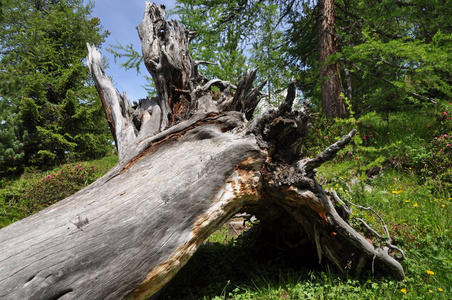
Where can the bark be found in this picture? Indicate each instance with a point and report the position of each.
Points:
(332, 103)
(348, 82)
(177, 181)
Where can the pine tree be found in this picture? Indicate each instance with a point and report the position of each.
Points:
(393, 54)
(54, 109)
(11, 148)
(219, 40)
(238, 35)
(398, 52)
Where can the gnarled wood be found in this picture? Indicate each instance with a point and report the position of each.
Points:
(166, 56)
(108, 240)
(184, 170)
(116, 106)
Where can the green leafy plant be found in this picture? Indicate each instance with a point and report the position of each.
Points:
(35, 190)
(59, 185)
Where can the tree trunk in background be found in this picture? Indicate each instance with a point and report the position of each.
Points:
(332, 102)
(188, 161)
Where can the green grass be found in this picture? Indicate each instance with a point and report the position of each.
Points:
(419, 222)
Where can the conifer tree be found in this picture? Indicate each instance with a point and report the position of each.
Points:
(52, 107)
(235, 36)
(388, 54)
(393, 54)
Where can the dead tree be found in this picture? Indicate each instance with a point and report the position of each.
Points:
(189, 160)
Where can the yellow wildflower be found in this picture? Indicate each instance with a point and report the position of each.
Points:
(430, 291)
(407, 200)
(443, 205)
(430, 272)
(403, 291)
(440, 289)
(415, 205)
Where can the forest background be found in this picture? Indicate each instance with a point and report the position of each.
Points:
(393, 63)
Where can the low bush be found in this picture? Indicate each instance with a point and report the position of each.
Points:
(35, 190)
(58, 185)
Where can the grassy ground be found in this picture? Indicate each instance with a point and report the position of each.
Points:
(400, 165)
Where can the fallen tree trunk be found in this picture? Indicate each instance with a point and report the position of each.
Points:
(188, 161)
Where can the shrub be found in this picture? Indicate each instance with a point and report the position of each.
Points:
(324, 131)
(437, 161)
(59, 185)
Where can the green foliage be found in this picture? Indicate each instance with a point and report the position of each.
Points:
(134, 60)
(228, 44)
(417, 221)
(11, 148)
(54, 112)
(59, 185)
(398, 55)
(325, 131)
(236, 37)
(439, 164)
(401, 71)
(217, 40)
(301, 52)
(393, 62)
(36, 190)
(414, 140)
(267, 52)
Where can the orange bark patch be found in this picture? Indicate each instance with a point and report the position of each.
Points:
(242, 187)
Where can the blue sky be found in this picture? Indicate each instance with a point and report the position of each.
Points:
(121, 17)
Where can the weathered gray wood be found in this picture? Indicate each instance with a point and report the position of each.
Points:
(165, 46)
(185, 168)
(127, 229)
(116, 106)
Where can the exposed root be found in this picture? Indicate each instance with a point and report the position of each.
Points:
(387, 239)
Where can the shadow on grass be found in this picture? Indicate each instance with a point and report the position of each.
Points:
(217, 269)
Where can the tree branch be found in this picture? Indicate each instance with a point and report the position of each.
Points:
(116, 106)
(414, 94)
(286, 106)
(307, 165)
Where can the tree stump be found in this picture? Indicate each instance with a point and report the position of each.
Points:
(189, 160)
